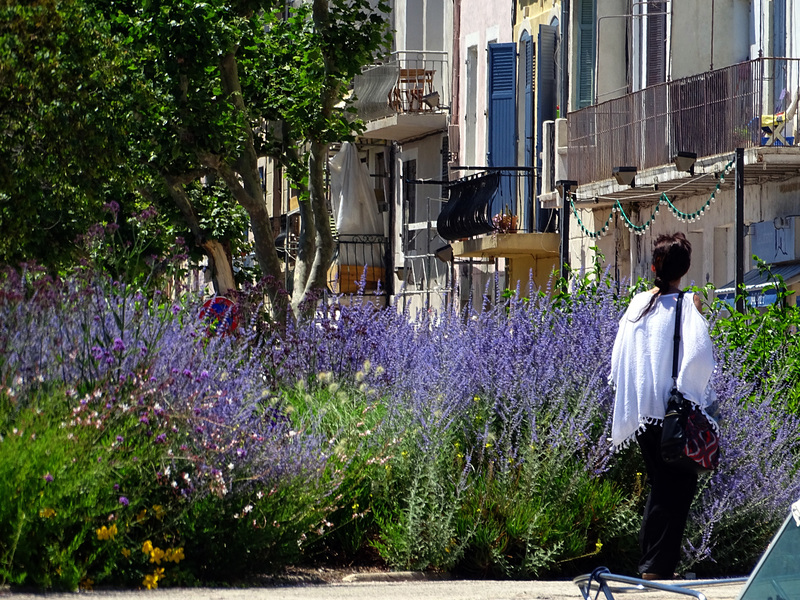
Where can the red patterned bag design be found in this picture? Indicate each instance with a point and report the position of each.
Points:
(688, 440)
(702, 442)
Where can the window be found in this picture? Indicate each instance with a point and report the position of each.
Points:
(586, 52)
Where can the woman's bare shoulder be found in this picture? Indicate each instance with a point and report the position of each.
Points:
(697, 302)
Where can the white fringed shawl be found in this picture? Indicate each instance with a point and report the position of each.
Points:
(641, 363)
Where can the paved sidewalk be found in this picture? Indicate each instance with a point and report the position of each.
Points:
(392, 586)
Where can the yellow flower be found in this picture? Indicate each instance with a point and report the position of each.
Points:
(159, 510)
(156, 555)
(126, 553)
(151, 581)
(147, 547)
(107, 533)
(174, 555)
(141, 516)
(86, 584)
(46, 513)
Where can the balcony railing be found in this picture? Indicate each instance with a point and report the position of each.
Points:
(410, 82)
(359, 265)
(710, 113)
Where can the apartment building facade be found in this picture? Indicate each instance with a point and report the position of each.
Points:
(682, 117)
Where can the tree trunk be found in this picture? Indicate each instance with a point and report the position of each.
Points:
(222, 273)
(244, 182)
(314, 266)
(313, 277)
(218, 257)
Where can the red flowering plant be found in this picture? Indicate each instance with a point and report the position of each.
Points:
(504, 221)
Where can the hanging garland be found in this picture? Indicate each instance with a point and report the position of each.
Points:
(663, 199)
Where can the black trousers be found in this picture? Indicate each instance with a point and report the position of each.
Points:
(667, 508)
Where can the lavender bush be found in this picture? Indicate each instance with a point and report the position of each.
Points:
(472, 441)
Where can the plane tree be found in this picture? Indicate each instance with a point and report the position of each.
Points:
(168, 99)
(228, 81)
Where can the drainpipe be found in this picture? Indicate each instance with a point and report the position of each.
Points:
(565, 185)
(739, 227)
(564, 58)
(390, 246)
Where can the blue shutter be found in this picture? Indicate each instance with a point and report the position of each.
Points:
(546, 75)
(503, 120)
(526, 55)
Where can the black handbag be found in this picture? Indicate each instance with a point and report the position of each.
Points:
(688, 440)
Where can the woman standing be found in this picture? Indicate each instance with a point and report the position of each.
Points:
(641, 370)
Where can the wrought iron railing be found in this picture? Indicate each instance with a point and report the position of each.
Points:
(710, 113)
(409, 82)
(498, 200)
(359, 265)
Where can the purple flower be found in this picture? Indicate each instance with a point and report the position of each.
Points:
(97, 352)
(124, 501)
(48, 478)
(161, 438)
(112, 207)
(116, 487)
(119, 345)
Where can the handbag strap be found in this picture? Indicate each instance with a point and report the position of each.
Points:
(677, 339)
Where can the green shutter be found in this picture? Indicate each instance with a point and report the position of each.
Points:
(586, 52)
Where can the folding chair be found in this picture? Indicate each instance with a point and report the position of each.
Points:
(775, 125)
(776, 576)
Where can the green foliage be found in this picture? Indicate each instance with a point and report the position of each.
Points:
(577, 285)
(419, 530)
(137, 102)
(348, 414)
(65, 129)
(65, 479)
(763, 340)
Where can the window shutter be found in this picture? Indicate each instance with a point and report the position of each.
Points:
(503, 118)
(527, 58)
(779, 51)
(586, 52)
(656, 43)
(546, 79)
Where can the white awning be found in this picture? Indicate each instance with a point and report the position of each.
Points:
(760, 285)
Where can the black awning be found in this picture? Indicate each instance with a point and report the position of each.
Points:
(469, 210)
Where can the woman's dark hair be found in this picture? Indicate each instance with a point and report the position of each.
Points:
(672, 257)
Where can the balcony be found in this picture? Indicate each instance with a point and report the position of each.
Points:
(406, 97)
(359, 265)
(710, 114)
